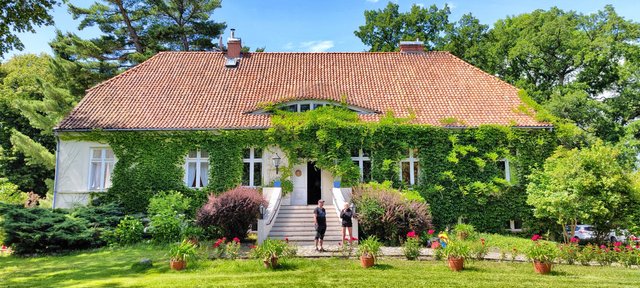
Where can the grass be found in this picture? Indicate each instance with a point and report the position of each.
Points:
(112, 268)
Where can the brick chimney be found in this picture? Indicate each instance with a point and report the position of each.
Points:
(412, 46)
(234, 45)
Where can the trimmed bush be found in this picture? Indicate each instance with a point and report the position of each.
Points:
(385, 213)
(232, 211)
(167, 211)
(38, 230)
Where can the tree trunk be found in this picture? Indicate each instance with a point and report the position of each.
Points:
(132, 32)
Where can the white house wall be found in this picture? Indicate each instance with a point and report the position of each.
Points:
(72, 179)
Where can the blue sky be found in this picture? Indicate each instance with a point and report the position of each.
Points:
(326, 25)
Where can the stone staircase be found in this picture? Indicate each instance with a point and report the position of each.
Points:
(296, 223)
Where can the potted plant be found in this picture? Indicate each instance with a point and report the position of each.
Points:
(542, 254)
(271, 250)
(456, 252)
(463, 231)
(368, 250)
(179, 253)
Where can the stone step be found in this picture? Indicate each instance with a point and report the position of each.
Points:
(302, 233)
(306, 238)
(303, 207)
(303, 224)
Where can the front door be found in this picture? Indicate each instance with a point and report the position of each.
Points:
(314, 183)
(299, 179)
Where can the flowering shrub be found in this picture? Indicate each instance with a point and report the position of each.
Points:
(604, 255)
(587, 254)
(233, 248)
(541, 251)
(233, 211)
(569, 252)
(385, 213)
(479, 249)
(629, 256)
(411, 246)
(218, 248)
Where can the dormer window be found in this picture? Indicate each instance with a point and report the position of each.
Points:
(306, 105)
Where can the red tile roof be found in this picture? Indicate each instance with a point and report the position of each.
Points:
(194, 90)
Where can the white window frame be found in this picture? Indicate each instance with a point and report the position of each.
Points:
(103, 161)
(361, 159)
(412, 160)
(314, 104)
(252, 160)
(512, 226)
(507, 169)
(198, 160)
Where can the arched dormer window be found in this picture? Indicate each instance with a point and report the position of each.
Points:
(306, 105)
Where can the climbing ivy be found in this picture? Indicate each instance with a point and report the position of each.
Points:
(459, 168)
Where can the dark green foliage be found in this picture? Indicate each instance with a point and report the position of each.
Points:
(233, 211)
(21, 16)
(38, 230)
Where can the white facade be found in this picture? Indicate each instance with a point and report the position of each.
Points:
(73, 182)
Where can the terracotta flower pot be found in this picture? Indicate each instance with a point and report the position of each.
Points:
(271, 262)
(542, 267)
(456, 264)
(177, 265)
(367, 261)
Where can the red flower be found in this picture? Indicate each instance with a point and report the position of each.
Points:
(224, 239)
(535, 237)
(253, 247)
(431, 231)
(633, 238)
(574, 240)
(617, 244)
(236, 239)
(411, 234)
(482, 240)
(435, 245)
(617, 249)
(354, 239)
(629, 247)
(286, 239)
(216, 245)
(603, 247)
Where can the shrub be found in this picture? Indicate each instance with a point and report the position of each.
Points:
(456, 249)
(38, 230)
(167, 211)
(10, 194)
(586, 254)
(129, 231)
(569, 252)
(385, 213)
(233, 211)
(541, 251)
(370, 247)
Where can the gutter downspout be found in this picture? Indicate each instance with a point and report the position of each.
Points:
(55, 177)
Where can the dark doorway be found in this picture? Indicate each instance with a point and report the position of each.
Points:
(314, 180)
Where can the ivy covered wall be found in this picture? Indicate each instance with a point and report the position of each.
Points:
(459, 168)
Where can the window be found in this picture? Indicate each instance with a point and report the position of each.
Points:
(410, 168)
(252, 167)
(102, 161)
(503, 165)
(514, 225)
(307, 105)
(197, 169)
(362, 159)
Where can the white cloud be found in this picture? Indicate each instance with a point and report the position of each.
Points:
(317, 46)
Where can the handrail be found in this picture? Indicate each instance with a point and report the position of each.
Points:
(338, 201)
(273, 213)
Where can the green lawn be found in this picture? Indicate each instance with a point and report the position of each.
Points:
(111, 268)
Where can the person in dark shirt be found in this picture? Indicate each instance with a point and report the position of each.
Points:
(320, 221)
(346, 214)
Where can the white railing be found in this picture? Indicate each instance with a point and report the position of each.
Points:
(274, 196)
(338, 197)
